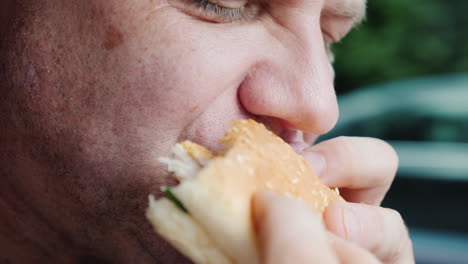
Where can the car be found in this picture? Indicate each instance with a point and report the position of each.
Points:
(426, 121)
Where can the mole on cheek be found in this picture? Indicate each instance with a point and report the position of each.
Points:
(113, 38)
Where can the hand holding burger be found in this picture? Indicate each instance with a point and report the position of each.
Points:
(219, 214)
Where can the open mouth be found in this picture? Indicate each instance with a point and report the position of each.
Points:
(295, 139)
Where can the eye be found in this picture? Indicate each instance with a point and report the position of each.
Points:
(221, 11)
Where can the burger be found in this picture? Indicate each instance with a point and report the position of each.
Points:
(208, 215)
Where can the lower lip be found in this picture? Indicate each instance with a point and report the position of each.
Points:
(299, 146)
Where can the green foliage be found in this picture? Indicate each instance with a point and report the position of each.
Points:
(403, 39)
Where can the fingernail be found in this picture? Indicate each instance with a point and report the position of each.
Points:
(350, 223)
(316, 161)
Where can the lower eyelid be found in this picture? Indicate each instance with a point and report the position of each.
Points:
(232, 4)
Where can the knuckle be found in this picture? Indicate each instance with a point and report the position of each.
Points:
(399, 236)
(363, 158)
(393, 158)
(388, 157)
(391, 155)
(396, 216)
(396, 221)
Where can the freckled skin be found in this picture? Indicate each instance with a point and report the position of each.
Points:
(92, 92)
(114, 38)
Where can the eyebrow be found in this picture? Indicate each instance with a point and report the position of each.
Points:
(355, 10)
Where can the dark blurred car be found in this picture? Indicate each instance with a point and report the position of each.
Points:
(426, 121)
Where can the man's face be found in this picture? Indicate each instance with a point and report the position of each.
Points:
(103, 88)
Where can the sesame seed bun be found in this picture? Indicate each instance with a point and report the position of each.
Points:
(217, 192)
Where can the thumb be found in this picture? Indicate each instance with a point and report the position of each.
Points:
(289, 232)
(380, 230)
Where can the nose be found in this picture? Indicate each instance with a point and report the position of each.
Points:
(294, 81)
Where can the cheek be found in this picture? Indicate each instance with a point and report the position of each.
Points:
(175, 71)
(125, 87)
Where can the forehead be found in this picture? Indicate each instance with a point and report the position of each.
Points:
(354, 10)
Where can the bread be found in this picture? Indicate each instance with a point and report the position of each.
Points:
(217, 192)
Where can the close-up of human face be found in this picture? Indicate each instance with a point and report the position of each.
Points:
(101, 89)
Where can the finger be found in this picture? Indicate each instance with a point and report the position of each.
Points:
(379, 230)
(289, 232)
(349, 253)
(363, 168)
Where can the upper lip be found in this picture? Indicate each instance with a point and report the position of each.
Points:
(290, 136)
(297, 139)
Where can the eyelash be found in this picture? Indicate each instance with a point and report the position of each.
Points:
(222, 14)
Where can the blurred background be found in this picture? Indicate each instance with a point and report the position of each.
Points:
(402, 76)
